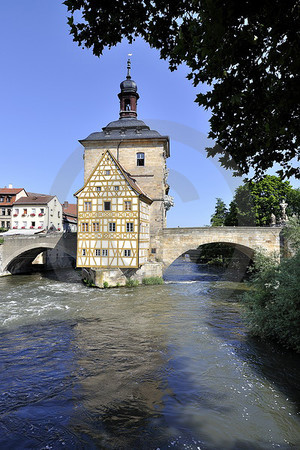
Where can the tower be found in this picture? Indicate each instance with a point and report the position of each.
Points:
(137, 156)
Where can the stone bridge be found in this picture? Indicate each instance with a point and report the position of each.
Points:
(173, 242)
(18, 251)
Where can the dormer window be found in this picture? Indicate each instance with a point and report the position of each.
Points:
(140, 159)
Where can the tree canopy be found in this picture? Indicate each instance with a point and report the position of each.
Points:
(247, 53)
(254, 202)
(219, 216)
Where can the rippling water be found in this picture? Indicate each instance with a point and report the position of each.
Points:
(153, 367)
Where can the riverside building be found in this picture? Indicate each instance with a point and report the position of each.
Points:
(123, 203)
(37, 212)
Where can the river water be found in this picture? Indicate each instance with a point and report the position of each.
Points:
(152, 367)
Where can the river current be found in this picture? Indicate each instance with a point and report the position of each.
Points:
(151, 367)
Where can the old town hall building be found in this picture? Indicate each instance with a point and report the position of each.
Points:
(124, 201)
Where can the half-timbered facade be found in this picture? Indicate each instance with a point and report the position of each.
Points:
(113, 218)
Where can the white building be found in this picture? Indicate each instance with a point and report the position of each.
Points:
(37, 212)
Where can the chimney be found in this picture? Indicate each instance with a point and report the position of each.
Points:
(10, 186)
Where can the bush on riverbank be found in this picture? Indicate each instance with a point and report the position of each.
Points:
(273, 303)
(131, 283)
(152, 280)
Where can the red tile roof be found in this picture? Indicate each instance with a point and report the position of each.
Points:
(70, 210)
(10, 191)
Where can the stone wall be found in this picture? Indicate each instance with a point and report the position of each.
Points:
(170, 243)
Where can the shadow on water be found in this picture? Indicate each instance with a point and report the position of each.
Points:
(268, 360)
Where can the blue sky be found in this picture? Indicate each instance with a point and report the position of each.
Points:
(54, 93)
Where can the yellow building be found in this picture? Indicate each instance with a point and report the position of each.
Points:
(113, 219)
(123, 204)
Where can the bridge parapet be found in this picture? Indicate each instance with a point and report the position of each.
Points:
(173, 242)
(16, 245)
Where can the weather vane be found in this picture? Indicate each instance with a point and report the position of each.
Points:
(128, 65)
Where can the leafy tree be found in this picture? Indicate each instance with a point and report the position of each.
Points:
(254, 202)
(247, 53)
(292, 233)
(293, 200)
(273, 302)
(231, 218)
(218, 218)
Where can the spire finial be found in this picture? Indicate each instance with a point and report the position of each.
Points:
(128, 66)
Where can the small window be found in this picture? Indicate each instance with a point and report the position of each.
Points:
(127, 206)
(25, 211)
(129, 227)
(112, 226)
(98, 188)
(96, 226)
(88, 206)
(84, 226)
(153, 250)
(83, 252)
(127, 104)
(1, 199)
(106, 206)
(104, 252)
(9, 212)
(127, 252)
(42, 210)
(97, 252)
(107, 172)
(140, 159)
(3, 211)
(116, 188)
(58, 214)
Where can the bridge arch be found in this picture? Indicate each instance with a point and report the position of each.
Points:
(174, 242)
(247, 251)
(20, 252)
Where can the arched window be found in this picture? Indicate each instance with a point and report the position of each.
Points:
(140, 159)
(127, 104)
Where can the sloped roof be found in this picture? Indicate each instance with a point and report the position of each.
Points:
(70, 210)
(125, 128)
(34, 200)
(10, 191)
(131, 181)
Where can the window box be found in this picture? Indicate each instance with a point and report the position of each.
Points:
(15, 215)
(32, 227)
(58, 229)
(23, 228)
(40, 228)
(41, 214)
(15, 228)
(24, 215)
(32, 215)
